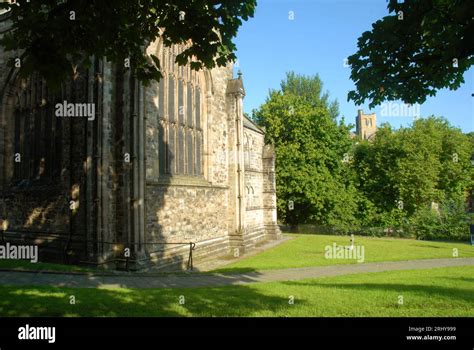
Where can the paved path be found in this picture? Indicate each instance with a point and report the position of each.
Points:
(212, 280)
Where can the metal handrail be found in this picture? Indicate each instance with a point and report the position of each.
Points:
(192, 245)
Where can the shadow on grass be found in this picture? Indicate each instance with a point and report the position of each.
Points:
(461, 294)
(23, 265)
(52, 301)
(428, 246)
(463, 279)
(235, 270)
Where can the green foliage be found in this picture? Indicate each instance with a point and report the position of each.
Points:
(412, 167)
(310, 89)
(310, 146)
(54, 44)
(385, 186)
(412, 57)
(449, 222)
(403, 172)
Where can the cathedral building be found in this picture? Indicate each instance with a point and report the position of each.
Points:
(132, 176)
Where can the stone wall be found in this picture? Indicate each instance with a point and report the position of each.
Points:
(253, 148)
(232, 204)
(38, 210)
(260, 215)
(181, 214)
(272, 230)
(182, 209)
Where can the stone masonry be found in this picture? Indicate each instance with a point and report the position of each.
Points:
(155, 169)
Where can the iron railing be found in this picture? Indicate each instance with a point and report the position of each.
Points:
(192, 245)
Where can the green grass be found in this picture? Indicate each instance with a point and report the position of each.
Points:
(40, 266)
(309, 250)
(431, 292)
(304, 250)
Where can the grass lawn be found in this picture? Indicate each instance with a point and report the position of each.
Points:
(27, 265)
(431, 292)
(304, 250)
(309, 250)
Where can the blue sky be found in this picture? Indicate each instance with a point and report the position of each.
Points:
(321, 35)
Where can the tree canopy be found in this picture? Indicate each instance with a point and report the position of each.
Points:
(427, 162)
(420, 48)
(405, 172)
(310, 146)
(411, 181)
(56, 36)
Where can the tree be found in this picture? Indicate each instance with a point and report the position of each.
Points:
(310, 148)
(310, 89)
(55, 36)
(423, 46)
(403, 172)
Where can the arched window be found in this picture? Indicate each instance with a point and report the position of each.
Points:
(180, 112)
(37, 132)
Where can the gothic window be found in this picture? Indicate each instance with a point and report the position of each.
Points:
(198, 136)
(198, 162)
(189, 130)
(181, 138)
(162, 127)
(37, 133)
(180, 111)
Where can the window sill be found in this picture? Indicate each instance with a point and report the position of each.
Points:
(181, 180)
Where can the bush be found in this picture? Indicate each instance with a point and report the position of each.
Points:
(425, 224)
(450, 222)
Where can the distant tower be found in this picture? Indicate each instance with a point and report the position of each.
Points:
(366, 125)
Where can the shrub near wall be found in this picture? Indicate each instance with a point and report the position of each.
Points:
(451, 222)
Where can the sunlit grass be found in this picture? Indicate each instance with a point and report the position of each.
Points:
(431, 292)
(309, 250)
(305, 250)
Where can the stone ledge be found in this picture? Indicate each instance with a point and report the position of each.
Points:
(183, 181)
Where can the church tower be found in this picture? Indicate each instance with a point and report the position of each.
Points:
(366, 125)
